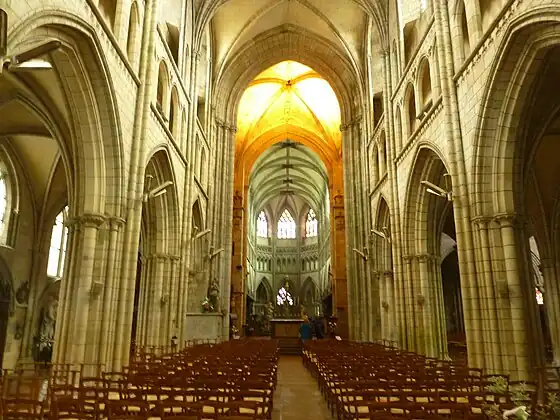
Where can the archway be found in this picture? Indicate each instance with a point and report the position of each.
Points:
(197, 285)
(516, 192)
(425, 222)
(451, 283)
(155, 297)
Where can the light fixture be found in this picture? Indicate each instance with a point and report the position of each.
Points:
(27, 60)
(383, 233)
(436, 190)
(203, 233)
(157, 191)
(363, 254)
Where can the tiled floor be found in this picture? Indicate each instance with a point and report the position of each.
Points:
(297, 395)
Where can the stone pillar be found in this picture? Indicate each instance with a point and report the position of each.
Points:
(109, 292)
(238, 260)
(410, 340)
(389, 307)
(340, 291)
(552, 306)
(73, 321)
(491, 335)
(518, 351)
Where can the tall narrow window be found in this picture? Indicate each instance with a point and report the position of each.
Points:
(262, 225)
(311, 224)
(423, 4)
(286, 226)
(57, 251)
(3, 201)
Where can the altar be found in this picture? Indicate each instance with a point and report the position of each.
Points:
(285, 328)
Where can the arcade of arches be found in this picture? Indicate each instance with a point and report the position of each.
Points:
(182, 164)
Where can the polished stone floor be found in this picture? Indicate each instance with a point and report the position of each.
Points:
(297, 395)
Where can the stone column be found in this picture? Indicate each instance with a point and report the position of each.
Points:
(426, 336)
(109, 291)
(518, 351)
(340, 289)
(81, 282)
(552, 306)
(409, 303)
(389, 307)
(491, 333)
(237, 277)
(173, 292)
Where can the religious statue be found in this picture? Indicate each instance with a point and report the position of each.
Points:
(214, 293)
(45, 336)
(285, 300)
(268, 316)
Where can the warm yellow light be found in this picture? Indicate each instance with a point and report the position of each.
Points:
(286, 95)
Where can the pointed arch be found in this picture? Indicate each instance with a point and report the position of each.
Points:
(93, 148)
(424, 84)
(262, 225)
(133, 38)
(286, 227)
(58, 245)
(174, 110)
(162, 91)
(410, 103)
(311, 224)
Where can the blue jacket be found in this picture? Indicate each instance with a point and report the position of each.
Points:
(306, 331)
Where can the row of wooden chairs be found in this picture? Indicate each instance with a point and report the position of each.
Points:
(207, 381)
(373, 381)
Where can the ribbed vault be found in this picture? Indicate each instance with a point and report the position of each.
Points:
(288, 168)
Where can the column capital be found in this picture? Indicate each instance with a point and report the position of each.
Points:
(220, 123)
(116, 222)
(481, 221)
(388, 273)
(426, 257)
(93, 220)
(506, 219)
(231, 128)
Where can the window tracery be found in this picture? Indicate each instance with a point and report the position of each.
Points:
(286, 226)
(262, 225)
(311, 224)
(57, 250)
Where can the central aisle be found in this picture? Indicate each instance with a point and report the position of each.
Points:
(297, 395)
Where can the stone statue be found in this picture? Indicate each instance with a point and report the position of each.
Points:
(285, 300)
(214, 293)
(47, 326)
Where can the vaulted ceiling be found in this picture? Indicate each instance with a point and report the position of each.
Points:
(343, 23)
(288, 99)
(288, 169)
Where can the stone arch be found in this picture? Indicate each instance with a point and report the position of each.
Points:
(383, 225)
(12, 185)
(161, 217)
(376, 11)
(499, 125)
(424, 83)
(291, 44)
(162, 90)
(174, 113)
(133, 38)
(399, 129)
(95, 136)
(420, 225)
(266, 291)
(411, 110)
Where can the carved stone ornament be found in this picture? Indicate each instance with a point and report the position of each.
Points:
(22, 293)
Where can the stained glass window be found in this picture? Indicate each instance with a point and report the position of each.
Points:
(284, 297)
(286, 226)
(57, 251)
(3, 200)
(311, 224)
(262, 225)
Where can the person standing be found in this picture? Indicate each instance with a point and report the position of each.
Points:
(305, 330)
